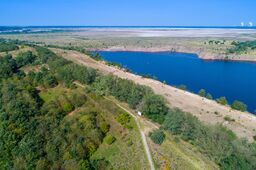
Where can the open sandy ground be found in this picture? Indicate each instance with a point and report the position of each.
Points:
(208, 111)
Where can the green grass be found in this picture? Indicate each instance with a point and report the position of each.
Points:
(49, 94)
(176, 154)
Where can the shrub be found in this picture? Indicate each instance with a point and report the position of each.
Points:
(154, 107)
(237, 105)
(8, 66)
(202, 93)
(209, 96)
(229, 119)
(157, 136)
(109, 139)
(104, 127)
(180, 123)
(25, 58)
(182, 87)
(124, 119)
(222, 100)
(67, 107)
(50, 81)
(78, 99)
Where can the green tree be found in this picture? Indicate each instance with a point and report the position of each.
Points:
(50, 81)
(154, 107)
(237, 105)
(209, 96)
(25, 58)
(157, 136)
(8, 66)
(222, 100)
(202, 93)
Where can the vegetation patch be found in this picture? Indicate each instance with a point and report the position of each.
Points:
(237, 105)
(124, 119)
(109, 139)
(241, 47)
(157, 136)
(222, 100)
(6, 46)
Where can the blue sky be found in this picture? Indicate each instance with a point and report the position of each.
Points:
(128, 12)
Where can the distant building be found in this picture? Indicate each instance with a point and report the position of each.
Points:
(139, 113)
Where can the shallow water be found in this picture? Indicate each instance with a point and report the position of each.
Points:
(234, 80)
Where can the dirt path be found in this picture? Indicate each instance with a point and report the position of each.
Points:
(142, 133)
(208, 111)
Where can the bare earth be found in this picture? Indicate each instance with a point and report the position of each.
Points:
(207, 111)
(190, 40)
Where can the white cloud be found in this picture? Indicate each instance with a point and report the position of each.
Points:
(250, 24)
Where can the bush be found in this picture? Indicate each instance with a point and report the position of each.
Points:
(209, 96)
(182, 87)
(154, 107)
(25, 58)
(222, 100)
(123, 118)
(180, 123)
(157, 136)
(237, 105)
(229, 119)
(104, 127)
(8, 66)
(109, 139)
(50, 81)
(202, 93)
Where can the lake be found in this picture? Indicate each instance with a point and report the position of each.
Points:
(234, 80)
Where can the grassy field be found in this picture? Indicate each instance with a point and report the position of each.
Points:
(177, 154)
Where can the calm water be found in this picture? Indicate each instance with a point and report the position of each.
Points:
(234, 80)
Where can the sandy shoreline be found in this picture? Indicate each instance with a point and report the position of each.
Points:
(208, 111)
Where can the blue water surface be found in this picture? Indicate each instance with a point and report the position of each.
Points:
(234, 80)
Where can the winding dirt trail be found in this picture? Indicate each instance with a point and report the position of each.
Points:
(142, 133)
(207, 111)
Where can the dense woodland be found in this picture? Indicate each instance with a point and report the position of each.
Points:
(35, 134)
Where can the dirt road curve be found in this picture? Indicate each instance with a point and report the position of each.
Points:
(142, 133)
(205, 110)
